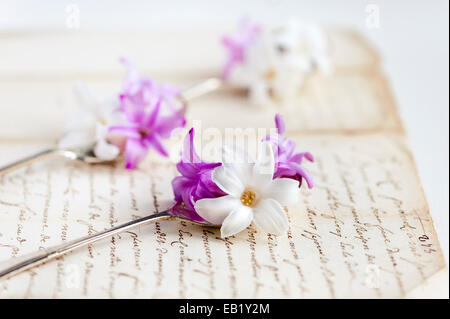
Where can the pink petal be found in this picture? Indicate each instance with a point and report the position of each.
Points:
(150, 118)
(155, 142)
(135, 152)
(298, 158)
(133, 74)
(227, 41)
(133, 110)
(167, 124)
(179, 184)
(227, 70)
(126, 131)
(168, 90)
(189, 155)
(304, 173)
(238, 43)
(186, 195)
(280, 124)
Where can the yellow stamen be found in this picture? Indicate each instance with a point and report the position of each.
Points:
(247, 197)
(270, 74)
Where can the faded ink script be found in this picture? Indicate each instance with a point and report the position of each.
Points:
(364, 230)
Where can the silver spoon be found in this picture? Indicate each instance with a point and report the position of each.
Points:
(19, 264)
(86, 154)
(82, 154)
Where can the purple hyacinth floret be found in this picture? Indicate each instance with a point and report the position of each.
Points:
(144, 91)
(195, 181)
(238, 43)
(146, 125)
(145, 128)
(288, 163)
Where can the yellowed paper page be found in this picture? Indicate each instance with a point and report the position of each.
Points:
(341, 103)
(363, 231)
(87, 53)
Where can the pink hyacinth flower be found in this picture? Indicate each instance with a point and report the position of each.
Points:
(288, 163)
(145, 91)
(195, 182)
(238, 43)
(145, 129)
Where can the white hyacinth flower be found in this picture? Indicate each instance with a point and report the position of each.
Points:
(280, 59)
(253, 195)
(89, 127)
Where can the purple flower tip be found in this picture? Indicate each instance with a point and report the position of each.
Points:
(142, 102)
(238, 43)
(280, 124)
(288, 163)
(195, 182)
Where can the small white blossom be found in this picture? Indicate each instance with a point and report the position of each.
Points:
(253, 195)
(89, 127)
(280, 59)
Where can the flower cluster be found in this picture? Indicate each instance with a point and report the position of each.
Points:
(240, 191)
(273, 62)
(238, 44)
(195, 181)
(89, 127)
(137, 120)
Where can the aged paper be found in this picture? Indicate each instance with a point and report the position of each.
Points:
(363, 231)
(42, 82)
(69, 53)
(341, 103)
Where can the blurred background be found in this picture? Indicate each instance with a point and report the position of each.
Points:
(411, 36)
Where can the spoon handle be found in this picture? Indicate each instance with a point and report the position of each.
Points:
(16, 265)
(201, 88)
(28, 160)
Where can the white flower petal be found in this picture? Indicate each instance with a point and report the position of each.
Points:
(109, 104)
(238, 220)
(264, 166)
(76, 139)
(227, 179)
(108, 112)
(324, 64)
(105, 151)
(270, 217)
(259, 93)
(101, 131)
(84, 121)
(215, 210)
(86, 100)
(234, 154)
(116, 118)
(283, 190)
(240, 159)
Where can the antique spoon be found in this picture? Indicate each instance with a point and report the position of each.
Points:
(86, 154)
(16, 265)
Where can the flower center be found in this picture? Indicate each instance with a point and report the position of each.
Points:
(103, 121)
(270, 74)
(143, 133)
(248, 197)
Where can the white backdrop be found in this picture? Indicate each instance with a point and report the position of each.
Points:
(412, 37)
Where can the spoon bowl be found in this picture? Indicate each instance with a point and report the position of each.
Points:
(85, 155)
